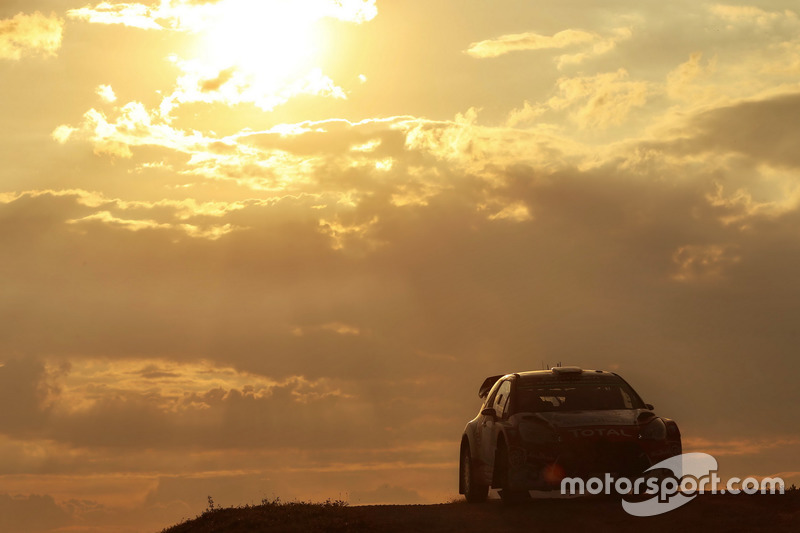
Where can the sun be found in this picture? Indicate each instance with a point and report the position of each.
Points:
(260, 52)
(270, 42)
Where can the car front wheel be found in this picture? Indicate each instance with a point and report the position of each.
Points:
(503, 478)
(474, 491)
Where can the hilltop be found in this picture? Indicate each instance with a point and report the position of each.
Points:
(720, 513)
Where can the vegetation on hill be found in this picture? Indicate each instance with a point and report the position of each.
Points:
(729, 513)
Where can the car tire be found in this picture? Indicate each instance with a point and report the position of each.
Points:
(474, 491)
(502, 467)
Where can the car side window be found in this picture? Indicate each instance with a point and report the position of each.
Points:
(501, 399)
(491, 397)
(626, 399)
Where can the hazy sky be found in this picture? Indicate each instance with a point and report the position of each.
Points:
(255, 248)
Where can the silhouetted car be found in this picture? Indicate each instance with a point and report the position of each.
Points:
(535, 428)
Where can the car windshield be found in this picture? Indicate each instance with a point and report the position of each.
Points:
(574, 396)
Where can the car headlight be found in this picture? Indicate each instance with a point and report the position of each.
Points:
(653, 430)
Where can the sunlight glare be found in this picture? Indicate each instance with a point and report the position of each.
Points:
(269, 42)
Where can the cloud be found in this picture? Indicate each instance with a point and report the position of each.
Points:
(518, 212)
(286, 158)
(564, 39)
(214, 84)
(25, 35)
(681, 82)
(146, 403)
(25, 385)
(527, 113)
(761, 129)
(106, 93)
(62, 133)
(32, 513)
(107, 218)
(600, 47)
(134, 126)
(134, 15)
(232, 86)
(704, 262)
(601, 100)
(335, 251)
(528, 41)
(183, 15)
(160, 403)
(352, 10)
(754, 16)
(178, 218)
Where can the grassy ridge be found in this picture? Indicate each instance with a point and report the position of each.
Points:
(725, 513)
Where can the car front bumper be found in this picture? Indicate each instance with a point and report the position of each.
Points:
(538, 467)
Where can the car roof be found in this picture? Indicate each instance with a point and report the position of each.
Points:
(555, 374)
(577, 374)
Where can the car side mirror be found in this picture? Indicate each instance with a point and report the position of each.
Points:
(489, 411)
(649, 406)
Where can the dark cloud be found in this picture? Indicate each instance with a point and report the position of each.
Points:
(23, 390)
(765, 130)
(220, 419)
(32, 513)
(612, 269)
(222, 78)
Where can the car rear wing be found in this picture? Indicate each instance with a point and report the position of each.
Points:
(487, 385)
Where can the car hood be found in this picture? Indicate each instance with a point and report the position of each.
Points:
(615, 417)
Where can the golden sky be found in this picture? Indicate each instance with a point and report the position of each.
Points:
(258, 248)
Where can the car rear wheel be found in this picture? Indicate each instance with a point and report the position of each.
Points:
(474, 491)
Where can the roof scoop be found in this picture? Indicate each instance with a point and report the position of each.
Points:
(566, 370)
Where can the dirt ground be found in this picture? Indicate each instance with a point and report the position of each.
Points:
(717, 513)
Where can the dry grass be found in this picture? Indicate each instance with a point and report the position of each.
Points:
(718, 513)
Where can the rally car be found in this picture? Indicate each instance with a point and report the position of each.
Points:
(536, 428)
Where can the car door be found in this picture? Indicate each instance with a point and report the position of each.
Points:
(490, 425)
(479, 427)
